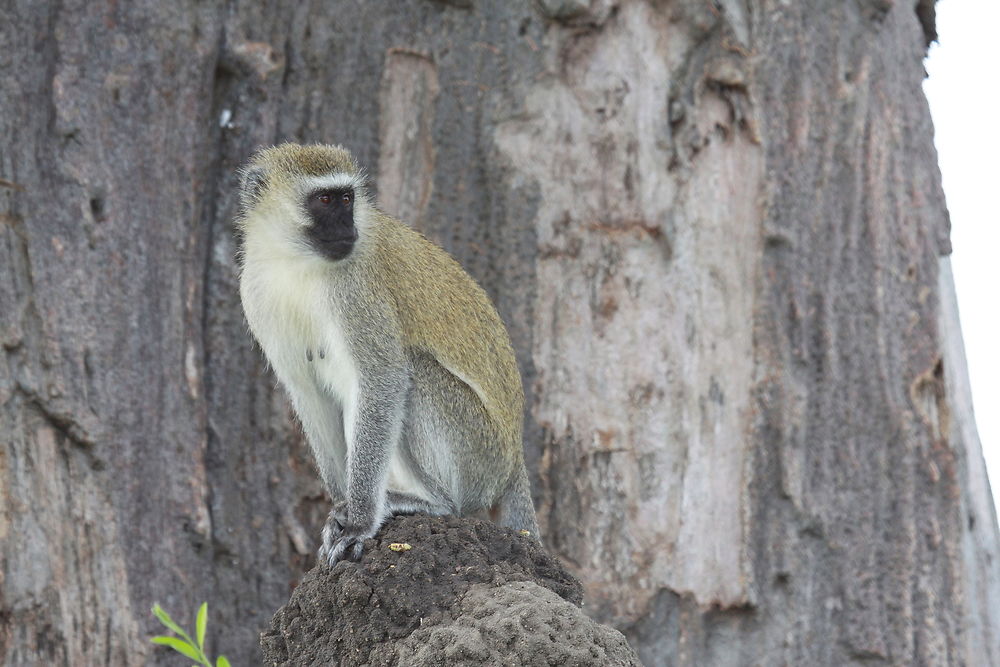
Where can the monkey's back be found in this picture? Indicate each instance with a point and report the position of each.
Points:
(445, 313)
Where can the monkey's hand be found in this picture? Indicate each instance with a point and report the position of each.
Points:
(341, 539)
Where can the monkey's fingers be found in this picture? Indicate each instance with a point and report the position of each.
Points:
(346, 548)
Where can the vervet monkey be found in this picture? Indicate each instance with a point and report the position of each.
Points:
(396, 362)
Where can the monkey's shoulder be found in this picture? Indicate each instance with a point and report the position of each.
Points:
(433, 295)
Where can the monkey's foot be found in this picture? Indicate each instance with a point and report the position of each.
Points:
(341, 540)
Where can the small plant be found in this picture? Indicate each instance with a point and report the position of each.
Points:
(184, 644)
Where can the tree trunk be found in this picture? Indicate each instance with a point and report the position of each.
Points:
(715, 230)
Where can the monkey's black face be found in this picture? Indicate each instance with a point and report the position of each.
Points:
(332, 231)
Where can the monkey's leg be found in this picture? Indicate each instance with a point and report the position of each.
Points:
(404, 503)
(323, 422)
(516, 509)
(450, 441)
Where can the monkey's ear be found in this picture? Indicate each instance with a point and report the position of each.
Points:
(253, 180)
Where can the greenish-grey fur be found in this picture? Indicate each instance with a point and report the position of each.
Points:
(309, 160)
(436, 363)
(443, 311)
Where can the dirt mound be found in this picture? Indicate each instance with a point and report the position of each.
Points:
(467, 591)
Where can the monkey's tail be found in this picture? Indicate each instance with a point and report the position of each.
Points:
(516, 509)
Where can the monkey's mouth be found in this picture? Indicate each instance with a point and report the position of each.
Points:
(338, 241)
(334, 247)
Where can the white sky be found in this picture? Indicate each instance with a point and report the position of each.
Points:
(963, 89)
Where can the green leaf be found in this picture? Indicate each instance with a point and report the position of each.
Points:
(166, 620)
(200, 623)
(178, 645)
(222, 661)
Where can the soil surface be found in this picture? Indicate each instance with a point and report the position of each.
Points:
(466, 592)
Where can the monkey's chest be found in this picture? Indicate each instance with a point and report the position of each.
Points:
(298, 327)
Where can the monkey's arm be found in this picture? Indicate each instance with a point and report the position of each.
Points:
(375, 424)
(373, 421)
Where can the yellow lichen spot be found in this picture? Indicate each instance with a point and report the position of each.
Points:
(526, 533)
(400, 546)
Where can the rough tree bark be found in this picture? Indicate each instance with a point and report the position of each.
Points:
(715, 229)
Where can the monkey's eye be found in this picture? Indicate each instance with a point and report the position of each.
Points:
(346, 197)
(325, 198)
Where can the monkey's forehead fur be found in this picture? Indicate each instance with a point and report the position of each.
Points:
(309, 160)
